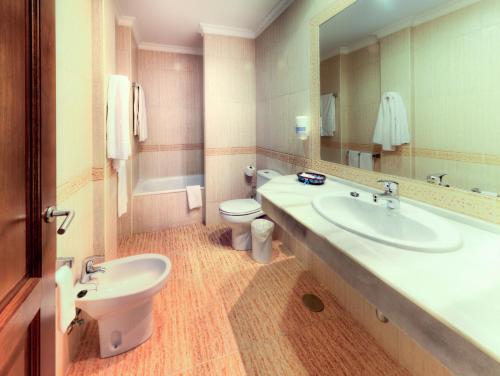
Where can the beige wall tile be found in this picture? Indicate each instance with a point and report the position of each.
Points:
(157, 212)
(230, 118)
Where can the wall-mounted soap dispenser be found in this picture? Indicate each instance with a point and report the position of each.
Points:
(302, 127)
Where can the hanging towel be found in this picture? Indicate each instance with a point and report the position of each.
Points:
(194, 196)
(366, 161)
(353, 158)
(65, 298)
(135, 110)
(392, 127)
(327, 115)
(118, 134)
(140, 114)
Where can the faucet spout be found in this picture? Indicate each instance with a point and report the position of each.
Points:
(88, 268)
(390, 194)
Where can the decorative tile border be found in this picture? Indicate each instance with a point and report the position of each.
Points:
(468, 203)
(72, 186)
(230, 151)
(174, 147)
(408, 151)
(97, 174)
(479, 158)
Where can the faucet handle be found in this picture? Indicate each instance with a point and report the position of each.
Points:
(390, 186)
(88, 262)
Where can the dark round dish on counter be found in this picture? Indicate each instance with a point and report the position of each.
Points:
(311, 178)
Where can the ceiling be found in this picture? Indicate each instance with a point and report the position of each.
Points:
(367, 19)
(177, 22)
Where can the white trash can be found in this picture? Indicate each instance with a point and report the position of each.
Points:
(262, 241)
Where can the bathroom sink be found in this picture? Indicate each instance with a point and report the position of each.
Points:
(408, 227)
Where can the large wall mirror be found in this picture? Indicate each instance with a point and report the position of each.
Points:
(412, 88)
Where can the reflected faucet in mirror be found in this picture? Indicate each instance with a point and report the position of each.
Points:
(436, 179)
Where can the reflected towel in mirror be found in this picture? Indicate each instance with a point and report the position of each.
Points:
(328, 115)
(392, 127)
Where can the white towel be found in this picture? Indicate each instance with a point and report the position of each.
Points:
(118, 133)
(135, 110)
(327, 115)
(65, 298)
(140, 114)
(392, 127)
(194, 196)
(120, 166)
(353, 158)
(366, 161)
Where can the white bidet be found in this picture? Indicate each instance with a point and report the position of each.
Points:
(121, 300)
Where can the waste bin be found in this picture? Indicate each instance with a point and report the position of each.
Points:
(262, 240)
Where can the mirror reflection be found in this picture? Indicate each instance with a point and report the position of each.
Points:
(412, 88)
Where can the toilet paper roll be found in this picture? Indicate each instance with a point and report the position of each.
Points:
(65, 296)
(250, 171)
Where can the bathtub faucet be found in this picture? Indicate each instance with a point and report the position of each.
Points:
(88, 268)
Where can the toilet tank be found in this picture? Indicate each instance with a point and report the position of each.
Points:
(263, 176)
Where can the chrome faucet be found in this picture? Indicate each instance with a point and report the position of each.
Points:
(88, 268)
(390, 194)
(436, 179)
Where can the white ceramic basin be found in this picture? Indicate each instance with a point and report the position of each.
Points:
(121, 299)
(408, 227)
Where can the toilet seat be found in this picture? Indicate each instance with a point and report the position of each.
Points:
(242, 207)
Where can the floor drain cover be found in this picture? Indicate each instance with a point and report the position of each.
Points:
(313, 303)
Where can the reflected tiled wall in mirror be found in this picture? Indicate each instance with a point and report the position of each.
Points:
(440, 58)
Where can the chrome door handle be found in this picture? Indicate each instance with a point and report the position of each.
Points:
(51, 213)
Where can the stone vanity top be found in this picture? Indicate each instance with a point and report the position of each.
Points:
(461, 289)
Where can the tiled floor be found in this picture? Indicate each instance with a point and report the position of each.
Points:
(222, 314)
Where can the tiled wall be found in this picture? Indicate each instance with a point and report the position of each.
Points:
(85, 50)
(330, 84)
(74, 142)
(360, 76)
(173, 85)
(126, 64)
(285, 47)
(105, 178)
(457, 91)
(229, 86)
(396, 74)
(156, 212)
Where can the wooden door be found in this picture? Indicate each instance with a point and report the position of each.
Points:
(27, 186)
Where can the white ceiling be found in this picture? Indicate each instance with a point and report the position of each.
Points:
(367, 19)
(177, 22)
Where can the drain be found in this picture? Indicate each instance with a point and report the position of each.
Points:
(313, 303)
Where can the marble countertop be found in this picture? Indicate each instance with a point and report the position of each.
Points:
(461, 288)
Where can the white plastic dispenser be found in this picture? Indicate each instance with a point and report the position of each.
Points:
(302, 127)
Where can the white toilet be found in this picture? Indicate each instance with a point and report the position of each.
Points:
(239, 214)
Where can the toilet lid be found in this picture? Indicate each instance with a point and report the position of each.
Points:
(240, 207)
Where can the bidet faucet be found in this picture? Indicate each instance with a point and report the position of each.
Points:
(88, 268)
(390, 194)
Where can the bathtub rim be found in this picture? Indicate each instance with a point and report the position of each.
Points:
(162, 192)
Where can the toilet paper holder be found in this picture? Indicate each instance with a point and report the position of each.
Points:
(61, 261)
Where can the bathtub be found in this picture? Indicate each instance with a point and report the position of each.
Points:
(167, 185)
(161, 203)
